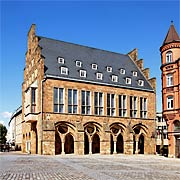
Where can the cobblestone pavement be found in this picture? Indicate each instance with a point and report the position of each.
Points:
(14, 166)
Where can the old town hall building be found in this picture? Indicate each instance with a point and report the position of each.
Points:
(170, 68)
(83, 100)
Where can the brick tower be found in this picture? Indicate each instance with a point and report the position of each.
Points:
(170, 68)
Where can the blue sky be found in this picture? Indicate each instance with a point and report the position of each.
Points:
(118, 26)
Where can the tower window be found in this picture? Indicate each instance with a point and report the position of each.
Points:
(169, 80)
(169, 57)
(169, 102)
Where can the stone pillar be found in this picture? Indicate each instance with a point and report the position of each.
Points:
(115, 151)
(62, 145)
(136, 150)
(90, 147)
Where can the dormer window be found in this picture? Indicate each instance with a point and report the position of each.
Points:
(82, 73)
(114, 78)
(78, 63)
(109, 69)
(122, 71)
(60, 60)
(169, 57)
(94, 66)
(140, 82)
(134, 73)
(128, 80)
(99, 76)
(64, 70)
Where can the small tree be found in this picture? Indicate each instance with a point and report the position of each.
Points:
(3, 132)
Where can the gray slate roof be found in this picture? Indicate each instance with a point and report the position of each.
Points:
(51, 49)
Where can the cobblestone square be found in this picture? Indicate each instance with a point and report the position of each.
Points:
(16, 166)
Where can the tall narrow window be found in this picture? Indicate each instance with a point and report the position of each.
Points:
(169, 80)
(133, 106)
(143, 107)
(169, 57)
(169, 102)
(58, 100)
(72, 101)
(85, 102)
(110, 104)
(33, 100)
(122, 106)
(98, 103)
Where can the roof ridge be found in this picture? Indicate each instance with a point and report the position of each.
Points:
(83, 46)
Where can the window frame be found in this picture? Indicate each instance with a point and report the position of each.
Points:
(114, 78)
(83, 73)
(122, 71)
(169, 80)
(99, 76)
(60, 100)
(74, 104)
(85, 106)
(64, 70)
(94, 66)
(60, 60)
(170, 102)
(128, 80)
(99, 106)
(140, 82)
(109, 69)
(111, 100)
(78, 63)
(122, 105)
(169, 57)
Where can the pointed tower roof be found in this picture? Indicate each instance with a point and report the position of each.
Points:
(172, 35)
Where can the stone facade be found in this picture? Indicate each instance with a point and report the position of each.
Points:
(48, 132)
(170, 59)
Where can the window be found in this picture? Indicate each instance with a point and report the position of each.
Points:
(134, 73)
(58, 100)
(82, 73)
(122, 71)
(169, 80)
(128, 80)
(64, 70)
(33, 100)
(72, 101)
(140, 82)
(169, 102)
(98, 103)
(169, 57)
(143, 107)
(99, 76)
(114, 78)
(122, 106)
(85, 102)
(109, 69)
(94, 66)
(133, 106)
(78, 63)
(110, 104)
(60, 60)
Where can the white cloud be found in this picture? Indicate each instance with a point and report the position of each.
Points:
(1, 122)
(6, 114)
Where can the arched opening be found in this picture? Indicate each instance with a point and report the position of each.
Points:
(58, 147)
(96, 144)
(69, 144)
(86, 144)
(120, 144)
(177, 138)
(112, 144)
(141, 144)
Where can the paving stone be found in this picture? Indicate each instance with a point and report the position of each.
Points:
(15, 166)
